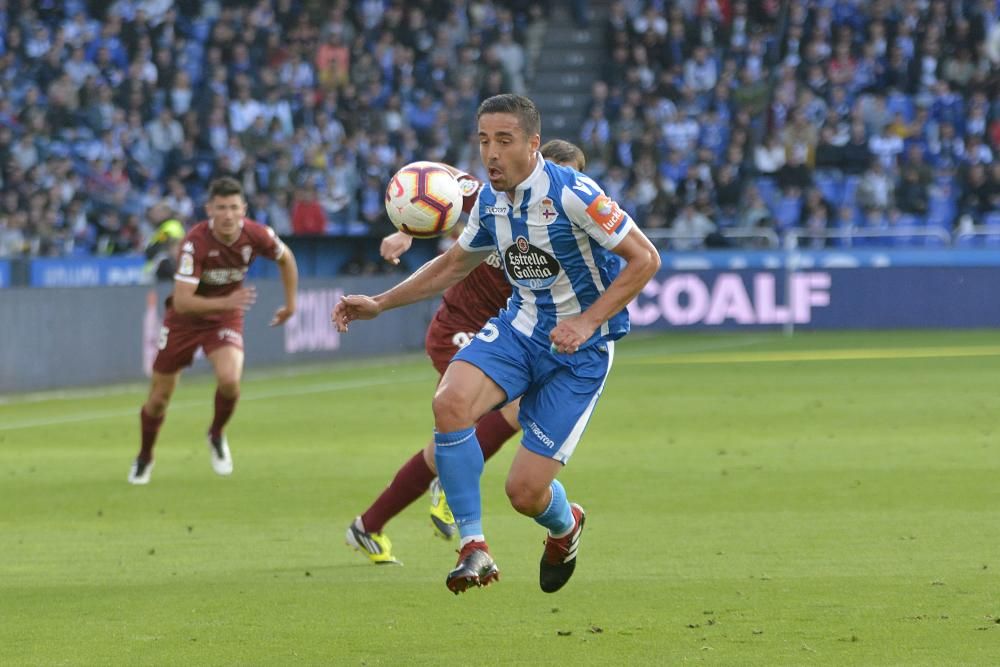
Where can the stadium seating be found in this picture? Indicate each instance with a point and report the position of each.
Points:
(390, 95)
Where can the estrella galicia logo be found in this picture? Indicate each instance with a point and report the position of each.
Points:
(530, 266)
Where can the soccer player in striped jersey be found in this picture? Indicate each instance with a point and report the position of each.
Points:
(560, 239)
(465, 308)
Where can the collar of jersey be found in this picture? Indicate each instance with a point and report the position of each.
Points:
(211, 228)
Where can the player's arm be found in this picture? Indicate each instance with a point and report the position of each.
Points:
(598, 215)
(186, 302)
(429, 280)
(289, 271)
(643, 263)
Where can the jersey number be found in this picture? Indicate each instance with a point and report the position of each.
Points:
(161, 342)
(489, 333)
(461, 339)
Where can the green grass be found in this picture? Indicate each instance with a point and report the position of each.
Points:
(829, 499)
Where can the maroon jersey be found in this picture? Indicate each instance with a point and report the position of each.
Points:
(484, 292)
(218, 269)
(479, 296)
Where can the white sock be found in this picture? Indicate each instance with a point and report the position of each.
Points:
(563, 534)
(471, 538)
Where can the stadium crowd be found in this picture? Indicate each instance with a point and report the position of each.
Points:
(709, 116)
(815, 116)
(109, 109)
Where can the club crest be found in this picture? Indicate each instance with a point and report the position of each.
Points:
(548, 211)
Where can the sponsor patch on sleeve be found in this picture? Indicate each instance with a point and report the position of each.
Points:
(468, 185)
(186, 266)
(605, 212)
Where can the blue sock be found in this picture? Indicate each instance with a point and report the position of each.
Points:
(558, 516)
(460, 464)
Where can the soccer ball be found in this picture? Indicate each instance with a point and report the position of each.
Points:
(423, 199)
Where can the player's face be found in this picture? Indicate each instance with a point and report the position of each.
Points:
(508, 153)
(226, 214)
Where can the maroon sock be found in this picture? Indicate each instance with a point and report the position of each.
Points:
(410, 483)
(492, 431)
(223, 411)
(150, 427)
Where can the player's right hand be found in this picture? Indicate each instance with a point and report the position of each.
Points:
(242, 298)
(394, 245)
(353, 307)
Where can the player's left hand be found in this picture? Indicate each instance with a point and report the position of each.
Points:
(353, 307)
(570, 334)
(281, 315)
(394, 245)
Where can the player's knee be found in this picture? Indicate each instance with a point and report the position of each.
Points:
(523, 497)
(156, 404)
(229, 386)
(451, 411)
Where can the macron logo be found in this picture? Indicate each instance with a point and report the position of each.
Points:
(540, 434)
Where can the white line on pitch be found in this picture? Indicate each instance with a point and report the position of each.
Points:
(183, 405)
(278, 372)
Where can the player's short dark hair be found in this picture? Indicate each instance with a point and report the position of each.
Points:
(560, 150)
(224, 187)
(525, 110)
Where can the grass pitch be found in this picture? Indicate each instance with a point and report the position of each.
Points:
(827, 499)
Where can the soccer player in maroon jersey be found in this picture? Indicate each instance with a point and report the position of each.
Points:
(464, 309)
(206, 310)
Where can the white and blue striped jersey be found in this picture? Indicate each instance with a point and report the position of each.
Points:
(555, 239)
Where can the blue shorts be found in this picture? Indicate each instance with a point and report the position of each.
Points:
(558, 391)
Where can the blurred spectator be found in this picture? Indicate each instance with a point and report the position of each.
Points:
(178, 201)
(816, 217)
(336, 201)
(278, 213)
(769, 157)
(911, 193)
(876, 189)
(701, 72)
(754, 213)
(856, 156)
(976, 198)
(512, 58)
(885, 146)
(307, 213)
(690, 228)
(728, 191)
(829, 155)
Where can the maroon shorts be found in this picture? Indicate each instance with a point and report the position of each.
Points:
(444, 340)
(178, 342)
